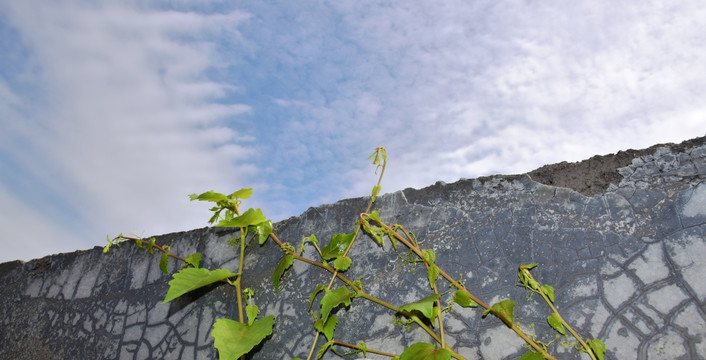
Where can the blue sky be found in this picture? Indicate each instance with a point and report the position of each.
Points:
(112, 112)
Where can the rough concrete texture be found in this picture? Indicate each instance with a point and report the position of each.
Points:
(620, 237)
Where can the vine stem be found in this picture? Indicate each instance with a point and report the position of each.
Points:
(415, 248)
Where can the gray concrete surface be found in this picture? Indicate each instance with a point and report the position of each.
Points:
(623, 245)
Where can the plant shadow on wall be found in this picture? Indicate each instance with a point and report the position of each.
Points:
(234, 339)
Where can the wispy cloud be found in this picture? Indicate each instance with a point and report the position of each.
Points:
(112, 113)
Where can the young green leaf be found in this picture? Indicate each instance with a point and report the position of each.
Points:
(532, 356)
(209, 196)
(337, 246)
(424, 306)
(555, 322)
(425, 351)
(323, 349)
(598, 348)
(363, 347)
(504, 310)
(429, 256)
(283, 265)
(342, 263)
(163, 263)
(241, 194)
(234, 339)
(139, 245)
(334, 298)
(432, 275)
(252, 311)
(194, 259)
(250, 217)
(263, 231)
(319, 288)
(328, 327)
(190, 279)
(151, 245)
(375, 192)
(463, 299)
(549, 291)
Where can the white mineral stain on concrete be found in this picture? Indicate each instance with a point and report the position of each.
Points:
(695, 324)
(618, 290)
(621, 342)
(697, 204)
(666, 298)
(666, 347)
(650, 266)
(499, 342)
(688, 253)
(583, 286)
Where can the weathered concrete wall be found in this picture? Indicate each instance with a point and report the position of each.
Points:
(624, 248)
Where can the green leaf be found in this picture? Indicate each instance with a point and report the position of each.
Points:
(429, 256)
(151, 245)
(328, 327)
(250, 217)
(163, 263)
(504, 310)
(363, 347)
(598, 348)
(241, 194)
(323, 349)
(189, 279)
(334, 298)
(234, 339)
(209, 196)
(425, 351)
(432, 275)
(532, 356)
(555, 322)
(319, 288)
(139, 245)
(424, 306)
(463, 299)
(342, 263)
(263, 231)
(375, 192)
(283, 265)
(252, 311)
(194, 259)
(549, 291)
(338, 245)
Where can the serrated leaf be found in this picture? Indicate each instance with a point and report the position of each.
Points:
(334, 298)
(504, 310)
(151, 245)
(342, 263)
(263, 231)
(209, 196)
(429, 256)
(190, 279)
(375, 192)
(598, 348)
(163, 263)
(328, 327)
(532, 356)
(432, 275)
(241, 194)
(283, 265)
(555, 322)
(194, 259)
(338, 245)
(323, 349)
(549, 291)
(248, 218)
(463, 299)
(234, 339)
(425, 351)
(424, 306)
(312, 296)
(252, 311)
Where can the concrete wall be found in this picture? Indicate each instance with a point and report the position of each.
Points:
(620, 237)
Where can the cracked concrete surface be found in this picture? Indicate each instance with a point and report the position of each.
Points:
(622, 244)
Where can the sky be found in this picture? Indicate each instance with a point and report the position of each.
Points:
(112, 112)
